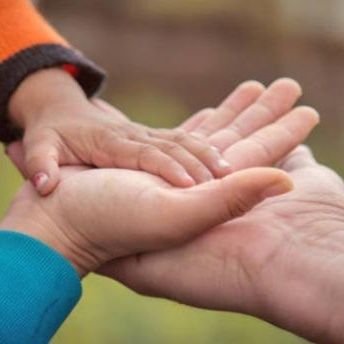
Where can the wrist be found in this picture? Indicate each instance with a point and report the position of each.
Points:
(39, 92)
(35, 224)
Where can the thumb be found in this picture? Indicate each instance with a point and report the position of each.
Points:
(15, 152)
(41, 160)
(194, 210)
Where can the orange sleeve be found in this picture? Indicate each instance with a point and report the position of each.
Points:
(27, 44)
(21, 27)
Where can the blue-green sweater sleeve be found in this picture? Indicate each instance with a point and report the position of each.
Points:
(38, 289)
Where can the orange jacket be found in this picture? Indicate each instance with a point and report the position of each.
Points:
(28, 43)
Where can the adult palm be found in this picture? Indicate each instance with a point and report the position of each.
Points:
(279, 262)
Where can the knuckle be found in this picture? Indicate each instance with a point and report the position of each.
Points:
(33, 164)
(201, 133)
(201, 171)
(100, 136)
(38, 137)
(172, 147)
(37, 156)
(206, 151)
(265, 149)
(265, 109)
(236, 204)
(181, 136)
(146, 150)
(160, 133)
(103, 148)
(238, 208)
(234, 130)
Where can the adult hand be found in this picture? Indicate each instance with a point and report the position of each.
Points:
(280, 262)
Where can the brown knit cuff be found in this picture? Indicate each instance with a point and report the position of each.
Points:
(16, 68)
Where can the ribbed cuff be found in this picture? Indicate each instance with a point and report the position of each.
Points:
(15, 69)
(38, 289)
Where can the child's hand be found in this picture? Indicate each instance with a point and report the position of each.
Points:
(63, 128)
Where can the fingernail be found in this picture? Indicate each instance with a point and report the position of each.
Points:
(40, 180)
(222, 163)
(187, 178)
(207, 177)
(276, 190)
(215, 149)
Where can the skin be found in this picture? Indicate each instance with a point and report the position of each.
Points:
(62, 127)
(279, 262)
(148, 226)
(91, 231)
(91, 227)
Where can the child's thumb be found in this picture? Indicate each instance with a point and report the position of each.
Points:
(42, 165)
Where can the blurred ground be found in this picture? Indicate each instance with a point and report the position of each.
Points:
(166, 59)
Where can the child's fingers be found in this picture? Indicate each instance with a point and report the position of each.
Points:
(152, 160)
(124, 153)
(42, 163)
(277, 100)
(195, 148)
(242, 97)
(195, 167)
(270, 144)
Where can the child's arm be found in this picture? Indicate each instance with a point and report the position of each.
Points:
(28, 44)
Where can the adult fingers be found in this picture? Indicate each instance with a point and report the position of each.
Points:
(195, 154)
(242, 97)
(268, 145)
(300, 157)
(277, 100)
(195, 120)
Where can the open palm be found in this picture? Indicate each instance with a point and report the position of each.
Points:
(276, 262)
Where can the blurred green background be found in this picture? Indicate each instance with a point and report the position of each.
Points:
(167, 59)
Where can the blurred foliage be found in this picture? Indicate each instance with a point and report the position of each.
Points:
(110, 313)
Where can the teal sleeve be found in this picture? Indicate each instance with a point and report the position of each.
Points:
(38, 289)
